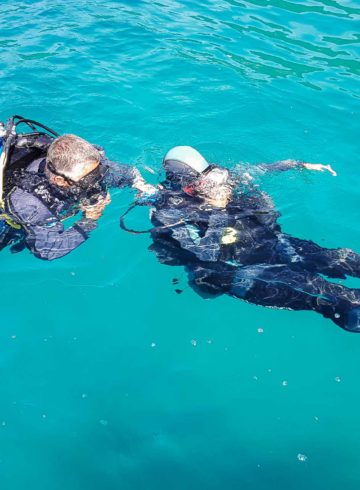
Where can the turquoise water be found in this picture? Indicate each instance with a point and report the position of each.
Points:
(109, 379)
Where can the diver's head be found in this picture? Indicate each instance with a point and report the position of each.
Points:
(73, 162)
(214, 186)
(183, 164)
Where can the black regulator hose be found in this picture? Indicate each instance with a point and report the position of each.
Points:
(140, 232)
(129, 230)
(31, 123)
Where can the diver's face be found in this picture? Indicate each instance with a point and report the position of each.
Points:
(214, 187)
(84, 176)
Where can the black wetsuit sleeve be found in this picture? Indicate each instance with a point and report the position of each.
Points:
(248, 174)
(120, 175)
(205, 248)
(44, 232)
(279, 166)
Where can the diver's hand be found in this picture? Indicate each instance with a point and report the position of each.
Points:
(148, 194)
(319, 167)
(96, 210)
(140, 184)
(146, 189)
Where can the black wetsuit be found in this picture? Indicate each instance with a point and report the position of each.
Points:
(264, 266)
(41, 209)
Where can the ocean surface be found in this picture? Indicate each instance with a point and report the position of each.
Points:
(109, 379)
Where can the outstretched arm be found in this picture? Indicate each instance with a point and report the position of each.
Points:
(120, 175)
(283, 165)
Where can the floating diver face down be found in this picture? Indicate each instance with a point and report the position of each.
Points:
(187, 167)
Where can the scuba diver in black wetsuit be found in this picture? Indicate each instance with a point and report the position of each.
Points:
(231, 242)
(46, 178)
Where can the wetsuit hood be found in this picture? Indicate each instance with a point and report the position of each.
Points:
(183, 164)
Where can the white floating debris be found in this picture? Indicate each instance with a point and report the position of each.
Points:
(269, 370)
(316, 418)
(193, 342)
(43, 416)
(255, 378)
(84, 395)
(302, 457)
(285, 383)
(149, 169)
(260, 330)
(153, 344)
(337, 315)
(337, 379)
(72, 273)
(13, 337)
(209, 341)
(3, 423)
(103, 422)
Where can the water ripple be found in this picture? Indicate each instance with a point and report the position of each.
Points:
(263, 39)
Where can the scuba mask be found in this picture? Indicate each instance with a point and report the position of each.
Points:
(88, 188)
(89, 180)
(213, 182)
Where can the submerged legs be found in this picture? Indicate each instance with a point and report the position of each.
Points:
(281, 286)
(333, 262)
(284, 287)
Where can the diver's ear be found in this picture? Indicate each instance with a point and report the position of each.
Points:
(60, 181)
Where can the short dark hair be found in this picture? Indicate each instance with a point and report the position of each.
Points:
(69, 151)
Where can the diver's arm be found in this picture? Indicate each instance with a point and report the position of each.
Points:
(45, 234)
(205, 248)
(120, 175)
(283, 165)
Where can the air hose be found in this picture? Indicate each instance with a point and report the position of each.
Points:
(150, 230)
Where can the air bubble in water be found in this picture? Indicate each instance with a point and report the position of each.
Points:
(302, 457)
